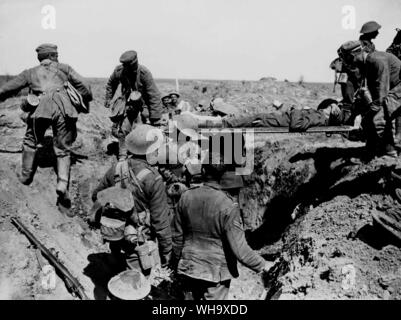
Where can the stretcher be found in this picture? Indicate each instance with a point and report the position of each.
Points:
(280, 130)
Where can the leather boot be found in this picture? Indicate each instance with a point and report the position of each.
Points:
(28, 166)
(63, 174)
(209, 122)
(397, 137)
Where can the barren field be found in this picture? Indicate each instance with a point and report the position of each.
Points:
(307, 205)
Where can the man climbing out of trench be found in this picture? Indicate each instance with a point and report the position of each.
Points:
(208, 238)
(379, 97)
(48, 104)
(139, 96)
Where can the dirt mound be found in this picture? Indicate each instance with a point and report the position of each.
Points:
(307, 205)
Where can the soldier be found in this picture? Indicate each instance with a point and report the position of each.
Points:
(380, 97)
(395, 47)
(352, 82)
(208, 238)
(49, 105)
(134, 77)
(174, 96)
(149, 196)
(166, 101)
(329, 113)
(369, 31)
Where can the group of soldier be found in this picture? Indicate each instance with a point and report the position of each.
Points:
(200, 235)
(190, 209)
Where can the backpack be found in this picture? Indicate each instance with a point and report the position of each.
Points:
(118, 205)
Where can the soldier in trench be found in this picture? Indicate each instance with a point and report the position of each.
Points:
(209, 239)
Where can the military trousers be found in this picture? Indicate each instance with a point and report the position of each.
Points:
(64, 132)
(379, 126)
(197, 289)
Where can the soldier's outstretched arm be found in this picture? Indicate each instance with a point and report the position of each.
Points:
(14, 85)
(159, 214)
(152, 97)
(111, 87)
(236, 238)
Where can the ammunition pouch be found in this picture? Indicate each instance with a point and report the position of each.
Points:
(30, 103)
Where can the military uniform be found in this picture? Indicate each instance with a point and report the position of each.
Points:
(296, 120)
(208, 240)
(142, 82)
(395, 47)
(154, 199)
(382, 71)
(55, 109)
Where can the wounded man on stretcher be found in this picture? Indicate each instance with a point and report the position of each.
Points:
(328, 113)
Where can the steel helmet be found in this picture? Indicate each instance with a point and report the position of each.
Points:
(144, 139)
(370, 27)
(129, 285)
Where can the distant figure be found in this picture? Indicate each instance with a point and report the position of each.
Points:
(179, 105)
(48, 104)
(166, 101)
(174, 96)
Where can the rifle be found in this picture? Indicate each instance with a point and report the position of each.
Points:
(71, 283)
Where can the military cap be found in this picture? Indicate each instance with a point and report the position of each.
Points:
(166, 96)
(46, 48)
(370, 27)
(129, 57)
(350, 46)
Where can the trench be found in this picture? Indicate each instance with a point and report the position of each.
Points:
(286, 185)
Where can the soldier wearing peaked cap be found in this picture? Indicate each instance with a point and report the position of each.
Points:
(134, 77)
(49, 104)
(380, 96)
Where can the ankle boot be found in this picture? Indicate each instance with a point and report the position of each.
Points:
(63, 175)
(397, 136)
(28, 166)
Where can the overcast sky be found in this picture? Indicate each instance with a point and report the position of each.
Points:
(202, 39)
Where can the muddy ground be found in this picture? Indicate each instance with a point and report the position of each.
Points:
(307, 205)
